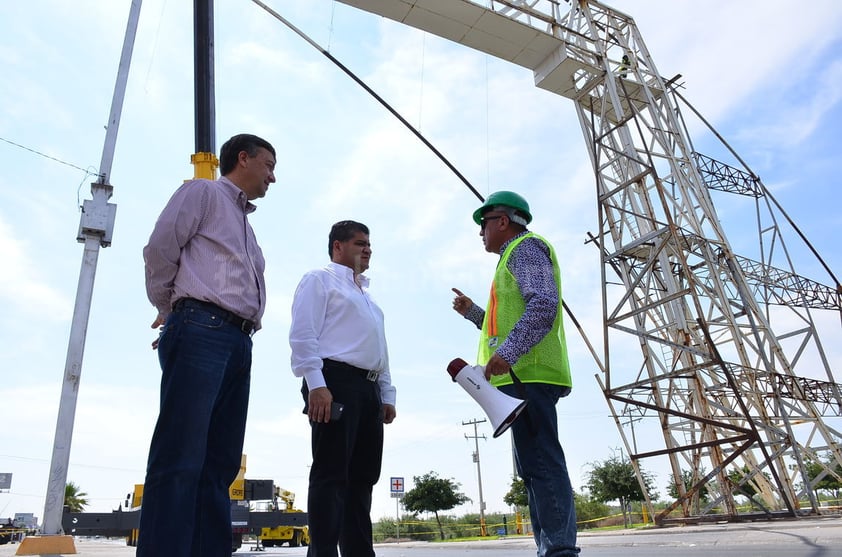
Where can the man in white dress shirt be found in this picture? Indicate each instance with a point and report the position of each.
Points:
(338, 346)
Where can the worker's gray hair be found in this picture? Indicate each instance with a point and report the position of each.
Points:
(512, 213)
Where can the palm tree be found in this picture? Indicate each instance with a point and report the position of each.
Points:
(74, 500)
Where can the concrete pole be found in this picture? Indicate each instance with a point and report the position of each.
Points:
(95, 230)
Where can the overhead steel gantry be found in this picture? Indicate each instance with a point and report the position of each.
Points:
(732, 383)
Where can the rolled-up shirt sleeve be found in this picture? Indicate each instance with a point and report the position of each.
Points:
(388, 393)
(309, 307)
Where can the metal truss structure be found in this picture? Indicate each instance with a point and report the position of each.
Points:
(731, 382)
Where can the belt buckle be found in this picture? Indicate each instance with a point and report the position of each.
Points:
(372, 375)
(246, 326)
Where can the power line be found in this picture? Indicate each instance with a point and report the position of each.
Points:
(46, 156)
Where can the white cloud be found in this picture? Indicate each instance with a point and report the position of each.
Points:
(23, 285)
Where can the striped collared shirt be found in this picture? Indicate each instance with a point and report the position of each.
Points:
(203, 247)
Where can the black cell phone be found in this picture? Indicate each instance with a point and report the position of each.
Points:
(336, 410)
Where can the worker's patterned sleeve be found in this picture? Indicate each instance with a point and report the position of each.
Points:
(475, 315)
(532, 267)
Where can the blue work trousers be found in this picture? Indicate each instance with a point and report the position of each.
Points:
(197, 445)
(541, 464)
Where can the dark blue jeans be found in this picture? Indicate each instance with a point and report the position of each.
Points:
(198, 440)
(540, 462)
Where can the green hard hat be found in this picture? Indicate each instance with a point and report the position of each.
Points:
(506, 198)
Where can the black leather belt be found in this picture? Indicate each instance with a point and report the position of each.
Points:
(245, 325)
(367, 374)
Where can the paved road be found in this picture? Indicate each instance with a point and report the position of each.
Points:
(814, 537)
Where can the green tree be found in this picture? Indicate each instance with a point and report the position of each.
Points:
(689, 478)
(433, 494)
(829, 481)
(614, 480)
(744, 483)
(74, 499)
(588, 510)
(747, 488)
(516, 497)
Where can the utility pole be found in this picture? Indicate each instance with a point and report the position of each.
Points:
(95, 231)
(476, 437)
(515, 475)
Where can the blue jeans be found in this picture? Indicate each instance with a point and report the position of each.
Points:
(540, 462)
(196, 448)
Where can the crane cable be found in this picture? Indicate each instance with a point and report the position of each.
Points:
(418, 134)
(371, 92)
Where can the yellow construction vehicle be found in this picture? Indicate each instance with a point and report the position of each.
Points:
(245, 520)
(236, 491)
(294, 535)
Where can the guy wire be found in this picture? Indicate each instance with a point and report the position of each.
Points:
(371, 92)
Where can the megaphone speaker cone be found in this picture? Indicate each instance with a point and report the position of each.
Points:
(501, 409)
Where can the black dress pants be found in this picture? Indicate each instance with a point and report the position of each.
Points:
(346, 464)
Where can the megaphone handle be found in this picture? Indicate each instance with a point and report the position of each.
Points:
(521, 391)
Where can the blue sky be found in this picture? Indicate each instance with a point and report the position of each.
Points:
(768, 77)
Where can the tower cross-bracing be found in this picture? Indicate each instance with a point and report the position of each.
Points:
(731, 382)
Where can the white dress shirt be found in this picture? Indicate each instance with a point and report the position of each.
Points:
(334, 318)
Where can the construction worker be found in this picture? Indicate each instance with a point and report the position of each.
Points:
(523, 349)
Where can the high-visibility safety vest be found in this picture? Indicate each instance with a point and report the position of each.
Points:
(547, 361)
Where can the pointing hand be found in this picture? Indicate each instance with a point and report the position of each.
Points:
(461, 303)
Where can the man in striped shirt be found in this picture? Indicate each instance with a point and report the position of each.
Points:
(204, 275)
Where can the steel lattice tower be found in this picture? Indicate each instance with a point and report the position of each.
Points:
(731, 375)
